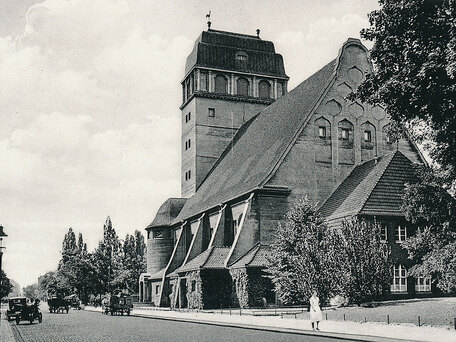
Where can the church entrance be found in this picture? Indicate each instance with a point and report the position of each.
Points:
(183, 292)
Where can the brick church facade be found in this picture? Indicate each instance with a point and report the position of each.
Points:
(250, 149)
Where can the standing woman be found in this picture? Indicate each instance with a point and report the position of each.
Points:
(315, 311)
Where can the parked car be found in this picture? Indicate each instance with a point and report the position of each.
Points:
(14, 307)
(29, 313)
(115, 304)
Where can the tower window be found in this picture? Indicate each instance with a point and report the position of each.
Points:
(344, 133)
(188, 175)
(221, 84)
(367, 136)
(187, 144)
(203, 81)
(279, 89)
(242, 86)
(264, 89)
(322, 132)
(211, 112)
(188, 116)
(158, 234)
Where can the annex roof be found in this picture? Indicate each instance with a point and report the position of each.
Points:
(167, 212)
(259, 145)
(374, 187)
(211, 258)
(218, 49)
(256, 257)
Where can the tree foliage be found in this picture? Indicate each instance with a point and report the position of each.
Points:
(414, 72)
(307, 255)
(366, 265)
(6, 286)
(428, 204)
(31, 292)
(300, 262)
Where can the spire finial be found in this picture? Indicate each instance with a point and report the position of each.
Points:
(258, 33)
(208, 16)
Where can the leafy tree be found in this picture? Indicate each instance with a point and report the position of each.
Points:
(428, 204)
(299, 261)
(365, 271)
(414, 72)
(6, 286)
(31, 291)
(108, 259)
(53, 283)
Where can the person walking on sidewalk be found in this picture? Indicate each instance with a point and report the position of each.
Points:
(315, 310)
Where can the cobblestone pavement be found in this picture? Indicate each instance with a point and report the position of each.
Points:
(91, 326)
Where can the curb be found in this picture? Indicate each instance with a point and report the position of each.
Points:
(339, 336)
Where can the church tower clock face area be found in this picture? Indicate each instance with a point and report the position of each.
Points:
(229, 78)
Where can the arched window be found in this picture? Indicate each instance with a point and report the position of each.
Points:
(323, 153)
(242, 86)
(264, 89)
(221, 84)
(368, 141)
(345, 142)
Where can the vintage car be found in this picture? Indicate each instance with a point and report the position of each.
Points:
(14, 307)
(29, 313)
(74, 301)
(115, 304)
(58, 303)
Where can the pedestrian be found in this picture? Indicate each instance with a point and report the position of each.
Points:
(315, 310)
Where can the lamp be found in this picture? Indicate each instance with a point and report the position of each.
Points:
(2, 243)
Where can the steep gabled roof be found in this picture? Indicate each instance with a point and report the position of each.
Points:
(374, 187)
(167, 212)
(259, 145)
(218, 49)
(256, 257)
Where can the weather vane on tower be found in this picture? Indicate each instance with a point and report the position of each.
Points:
(208, 16)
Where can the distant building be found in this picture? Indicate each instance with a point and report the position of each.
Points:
(250, 150)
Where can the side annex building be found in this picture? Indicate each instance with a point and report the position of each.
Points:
(250, 149)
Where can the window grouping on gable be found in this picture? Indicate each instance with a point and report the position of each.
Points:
(399, 279)
(400, 234)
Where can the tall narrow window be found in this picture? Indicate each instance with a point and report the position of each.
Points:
(322, 132)
(400, 233)
(279, 89)
(203, 81)
(221, 84)
(264, 89)
(383, 232)
(242, 86)
(399, 279)
(211, 112)
(367, 136)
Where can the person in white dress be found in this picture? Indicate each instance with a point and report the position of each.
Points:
(315, 310)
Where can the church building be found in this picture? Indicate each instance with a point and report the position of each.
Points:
(250, 150)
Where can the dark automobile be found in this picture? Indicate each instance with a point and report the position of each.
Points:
(58, 304)
(14, 307)
(29, 313)
(116, 304)
(74, 301)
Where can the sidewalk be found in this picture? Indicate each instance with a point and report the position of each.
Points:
(335, 329)
(6, 332)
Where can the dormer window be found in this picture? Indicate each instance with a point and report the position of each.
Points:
(241, 56)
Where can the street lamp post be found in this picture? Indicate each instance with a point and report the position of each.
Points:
(2, 242)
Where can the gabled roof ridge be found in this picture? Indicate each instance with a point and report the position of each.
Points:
(382, 172)
(392, 156)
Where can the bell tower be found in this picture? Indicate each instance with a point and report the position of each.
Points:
(229, 78)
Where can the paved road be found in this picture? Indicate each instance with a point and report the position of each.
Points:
(80, 326)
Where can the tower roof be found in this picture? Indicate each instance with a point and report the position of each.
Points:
(167, 212)
(219, 50)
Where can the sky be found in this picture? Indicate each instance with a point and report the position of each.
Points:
(89, 97)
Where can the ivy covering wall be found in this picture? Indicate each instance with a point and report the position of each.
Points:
(194, 290)
(250, 287)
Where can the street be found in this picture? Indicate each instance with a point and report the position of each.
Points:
(91, 326)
